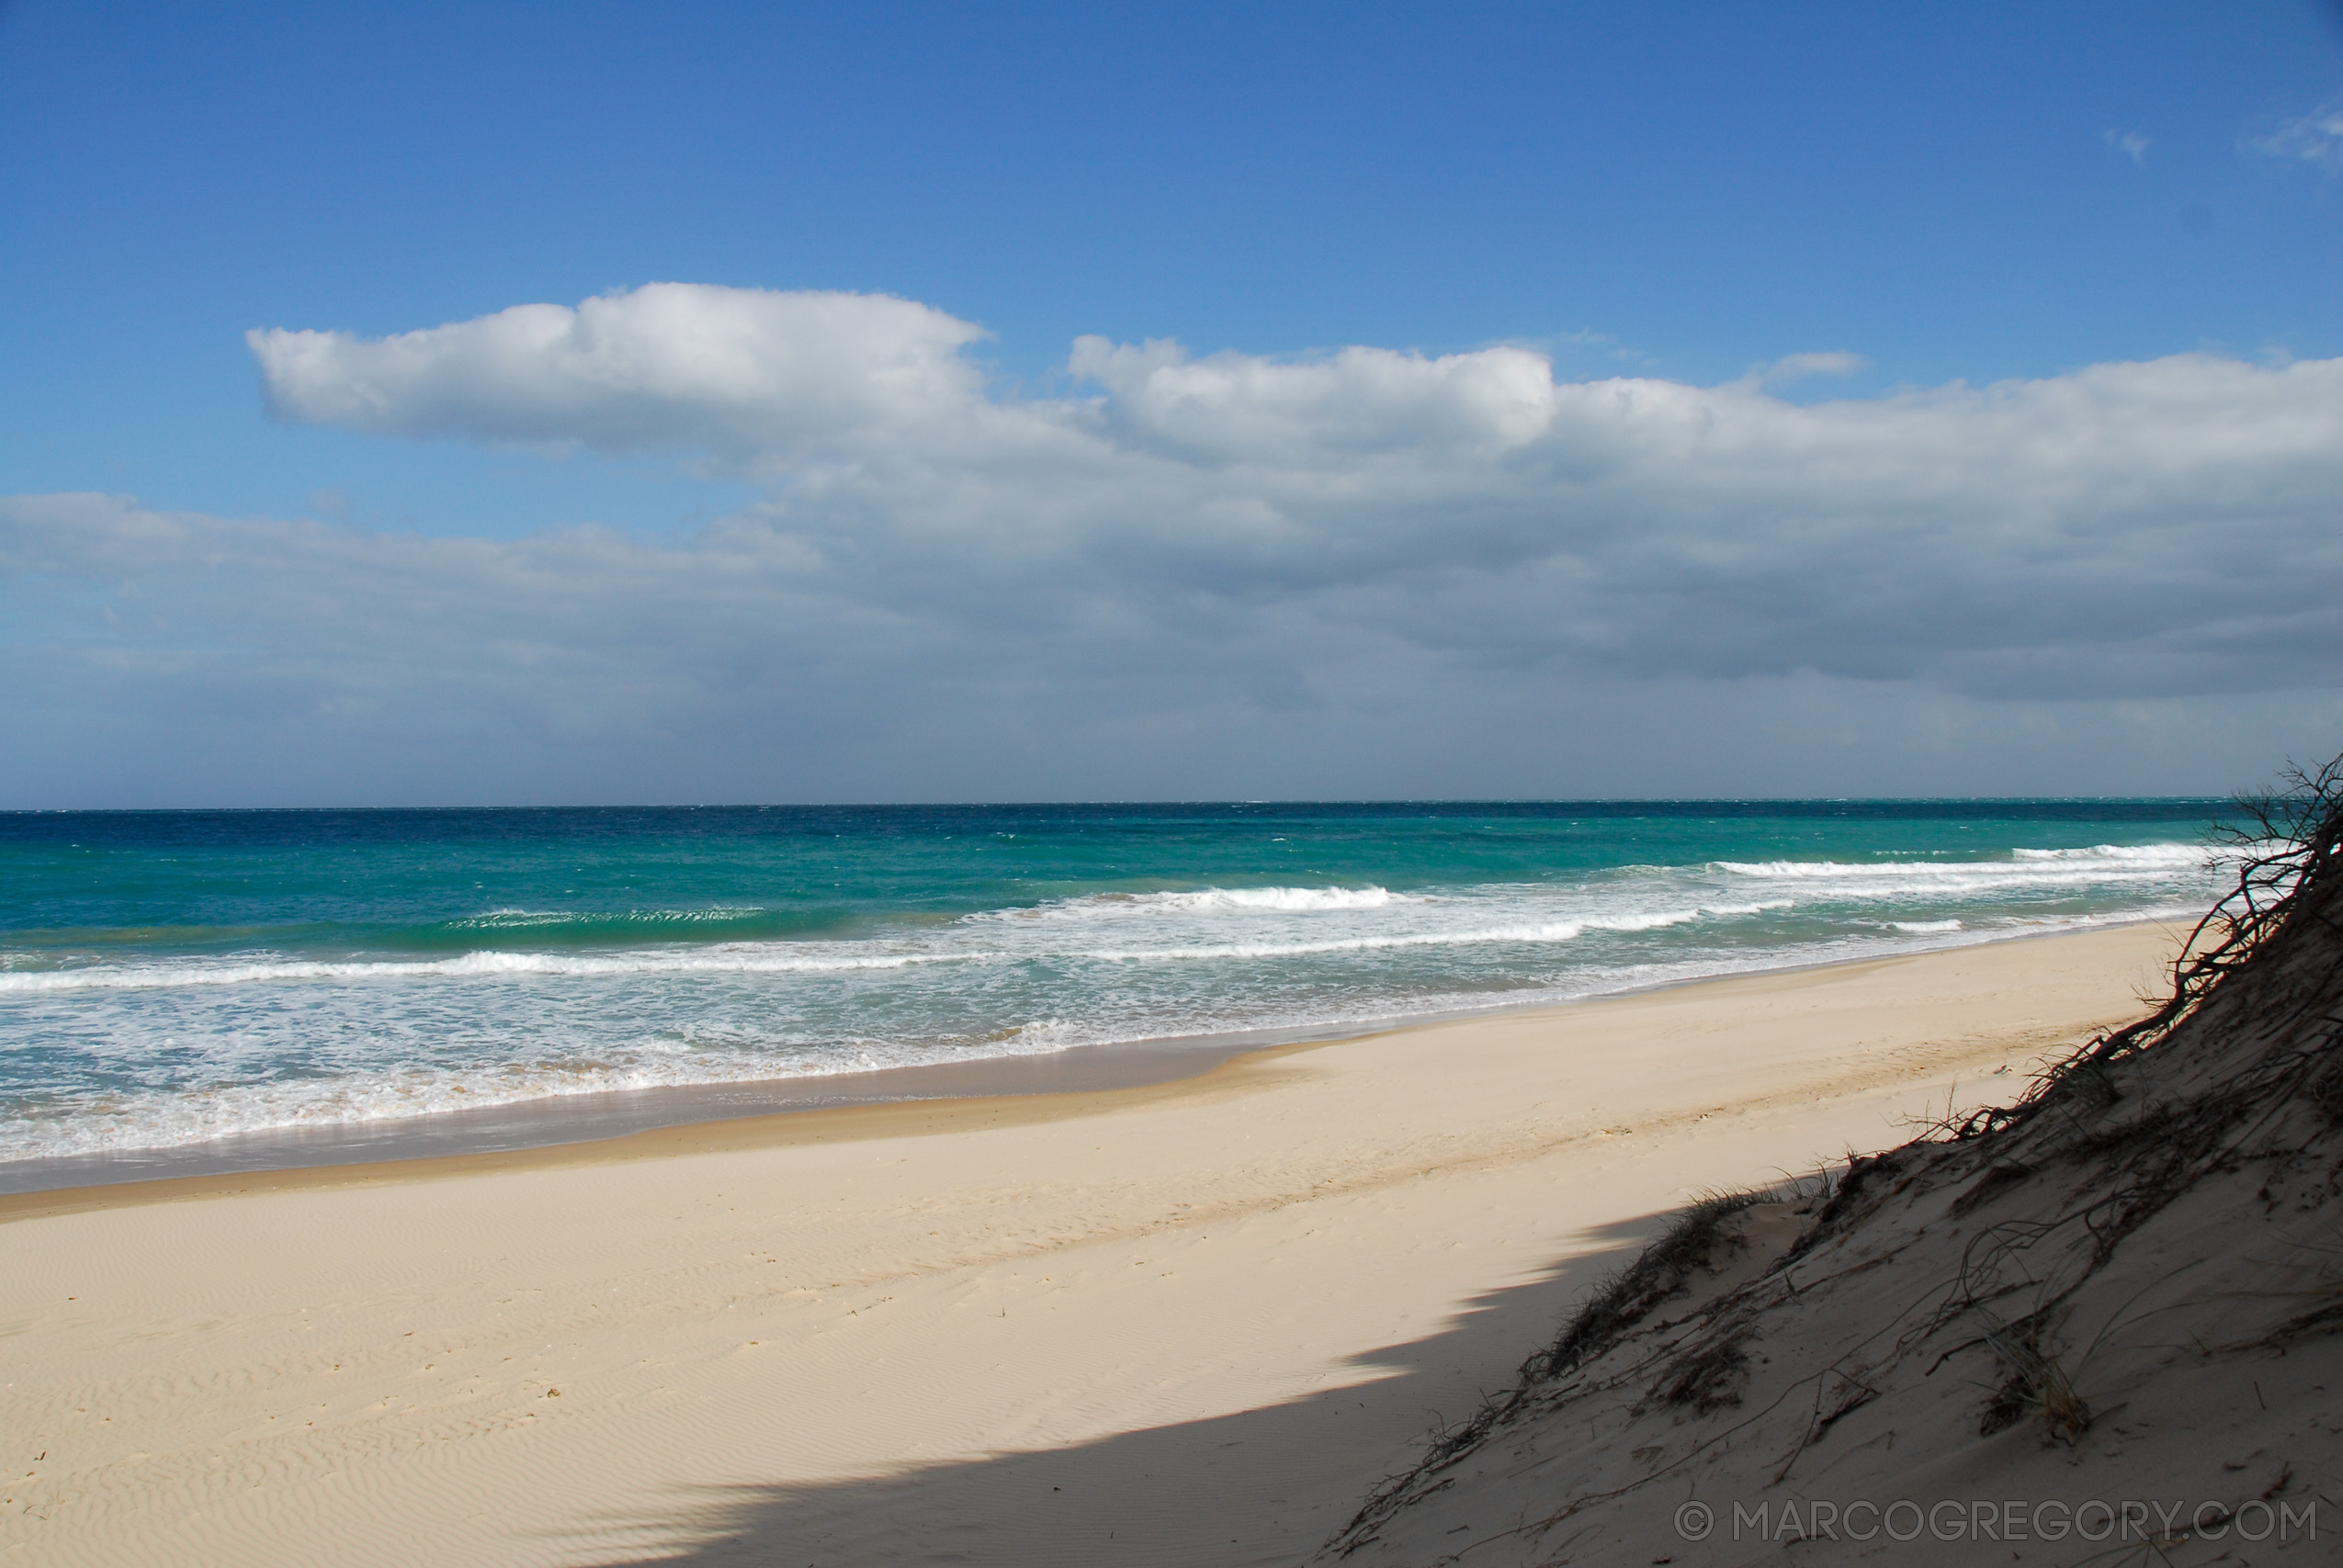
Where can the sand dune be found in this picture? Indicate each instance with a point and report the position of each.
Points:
(2103, 1325)
(1189, 1324)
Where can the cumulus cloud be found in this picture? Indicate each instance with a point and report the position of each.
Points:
(737, 369)
(2316, 138)
(2115, 530)
(1361, 399)
(2133, 144)
(1188, 558)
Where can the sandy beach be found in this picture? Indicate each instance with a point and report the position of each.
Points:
(1184, 1324)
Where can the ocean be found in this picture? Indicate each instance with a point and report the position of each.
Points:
(172, 979)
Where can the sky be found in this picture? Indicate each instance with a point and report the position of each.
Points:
(533, 404)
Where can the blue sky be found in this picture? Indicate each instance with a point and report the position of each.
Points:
(1681, 195)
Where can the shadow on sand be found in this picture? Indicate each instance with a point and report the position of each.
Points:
(1263, 1486)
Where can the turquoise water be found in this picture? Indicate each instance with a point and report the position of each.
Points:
(171, 977)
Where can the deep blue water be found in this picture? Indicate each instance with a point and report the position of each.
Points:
(167, 977)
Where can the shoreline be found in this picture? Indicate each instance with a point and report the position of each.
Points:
(276, 1155)
(1003, 1330)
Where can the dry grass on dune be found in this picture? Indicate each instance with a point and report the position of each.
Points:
(2102, 1324)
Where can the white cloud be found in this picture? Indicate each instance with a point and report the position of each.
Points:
(733, 368)
(2133, 144)
(2316, 138)
(1214, 568)
(1234, 405)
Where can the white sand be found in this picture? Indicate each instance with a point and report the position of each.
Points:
(1186, 1324)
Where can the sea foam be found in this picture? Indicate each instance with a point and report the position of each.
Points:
(179, 1023)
